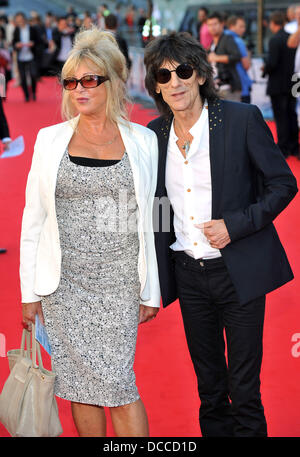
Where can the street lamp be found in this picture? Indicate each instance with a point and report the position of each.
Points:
(260, 18)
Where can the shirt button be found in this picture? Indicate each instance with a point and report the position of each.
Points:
(188, 190)
(186, 162)
(195, 244)
(192, 218)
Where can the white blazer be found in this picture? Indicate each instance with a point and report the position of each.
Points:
(40, 252)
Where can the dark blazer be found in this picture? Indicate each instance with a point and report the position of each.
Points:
(251, 185)
(4, 130)
(279, 64)
(122, 43)
(33, 35)
(227, 72)
(57, 36)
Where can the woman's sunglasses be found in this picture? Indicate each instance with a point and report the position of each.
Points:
(88, 82)
(183, 71)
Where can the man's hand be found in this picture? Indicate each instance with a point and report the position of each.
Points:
(216, 233)
(147, 313)
(212, 57)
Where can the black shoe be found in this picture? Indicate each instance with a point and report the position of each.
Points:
(2, 251)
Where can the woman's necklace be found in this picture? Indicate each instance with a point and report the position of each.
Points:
(97, 144)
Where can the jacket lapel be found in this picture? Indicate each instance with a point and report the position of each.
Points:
(216, 151)
(132, 151)
(58, 147)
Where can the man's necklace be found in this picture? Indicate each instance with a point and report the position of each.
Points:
(187, 143)
(186, 147)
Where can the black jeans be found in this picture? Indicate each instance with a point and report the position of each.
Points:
(285, 115)
(25, 69)
(229, 390)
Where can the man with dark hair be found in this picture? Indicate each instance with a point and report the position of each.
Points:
(203, 34)
(25, 42)
(279, 67)
(221, 182)
(236, 28)
(224, 55)
(111, 24)
(63, 37)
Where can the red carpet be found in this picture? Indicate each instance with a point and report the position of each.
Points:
(163, 368)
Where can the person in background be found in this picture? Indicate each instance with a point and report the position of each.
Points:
(294, 40)
(279, 66)
(87, 21)
(291, 25)
(25, 41)
(102, 12)
(49, 45)
(38, 24)
(63, 37)
(5, 138)
(5, 60)
(203, 34)
(236, 27)
(111, 25)
(224, 55)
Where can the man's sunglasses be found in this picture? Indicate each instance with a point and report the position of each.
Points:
(88, 82)
(183, 71)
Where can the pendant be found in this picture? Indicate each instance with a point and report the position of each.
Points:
(186, 147)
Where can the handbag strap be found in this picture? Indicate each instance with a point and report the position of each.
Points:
(36, 350)
(25, 335)
(33, 348)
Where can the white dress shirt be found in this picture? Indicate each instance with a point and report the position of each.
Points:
(25, 54)
(188, 184)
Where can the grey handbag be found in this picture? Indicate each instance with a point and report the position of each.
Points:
(27, 404)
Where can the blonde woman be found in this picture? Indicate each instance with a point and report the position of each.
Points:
(87, 264)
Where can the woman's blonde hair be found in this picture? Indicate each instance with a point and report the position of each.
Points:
(102, 49)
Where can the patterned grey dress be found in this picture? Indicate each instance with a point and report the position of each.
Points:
(92, 318)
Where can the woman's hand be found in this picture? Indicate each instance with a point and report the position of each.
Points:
(147, 313)
(29, 312)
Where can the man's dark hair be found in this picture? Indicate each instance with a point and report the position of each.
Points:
(178, 47)
(278, 17)
(232, 20)
(111, 21)
(216, 15)
(20, 13)
(202, 8)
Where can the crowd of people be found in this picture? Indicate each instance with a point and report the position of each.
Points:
(231, 60)
(31, 47)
